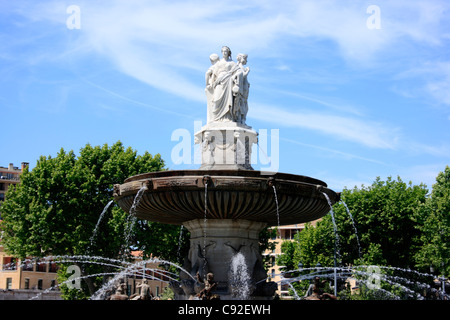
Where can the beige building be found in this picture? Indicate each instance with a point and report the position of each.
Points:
(285, 233)
(14, 273)
(35, 275)
(9, 176)
(13, 276)
(29, 275)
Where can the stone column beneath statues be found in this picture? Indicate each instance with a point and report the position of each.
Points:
(213, 244)
(226, 146)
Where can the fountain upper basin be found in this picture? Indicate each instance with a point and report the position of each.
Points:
(177, 196)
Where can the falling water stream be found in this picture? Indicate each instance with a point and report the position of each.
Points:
(354, 228)
(336, 243)
(278, 213)
(179, 242)
(123, 268)
(92, 239)
(204, 229)
(131, 218)
(336, 236)
(363, 274)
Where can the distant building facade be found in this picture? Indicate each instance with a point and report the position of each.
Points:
(284, 233)
(16, 274)
(29, 275)
(9, 176)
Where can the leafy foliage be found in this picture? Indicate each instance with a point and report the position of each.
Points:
(433, 221)
(384, 216)
(395, 224)
(384, 227)
(55, 208)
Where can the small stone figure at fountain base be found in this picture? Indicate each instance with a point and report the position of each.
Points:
(317, 292)
(209, 285)
(146, 293)
(119, 295)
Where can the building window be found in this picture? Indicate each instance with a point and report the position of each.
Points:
(28, 265)
(9, 263)
(40, 284)
(53, 267)
(41, 265)
(27, 283)
(8, 283)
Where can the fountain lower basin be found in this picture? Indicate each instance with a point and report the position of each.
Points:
(178, 196)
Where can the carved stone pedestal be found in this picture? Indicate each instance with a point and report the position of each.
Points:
(226, 145)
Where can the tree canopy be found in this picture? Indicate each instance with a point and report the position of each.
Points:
(57, 205)
(383, 229)
(433, 223)
(394, 225)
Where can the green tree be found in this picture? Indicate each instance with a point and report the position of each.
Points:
(315, 244)
(433, 220)
(384, 217)
(55, 208)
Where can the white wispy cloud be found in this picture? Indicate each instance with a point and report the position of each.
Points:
(332, 103)
(428, 80)
(164, 44)
(135, 102)
(345, 155)
(361, 131)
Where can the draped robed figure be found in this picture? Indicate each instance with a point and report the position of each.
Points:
(225, 81)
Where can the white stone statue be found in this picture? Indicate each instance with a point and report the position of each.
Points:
(227, 88)
(240, 90)
(226, 140)
(210, 78)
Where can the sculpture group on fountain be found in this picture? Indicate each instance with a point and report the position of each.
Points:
(227, 88)
(226, 140)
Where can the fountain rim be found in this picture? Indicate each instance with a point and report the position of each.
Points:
(228, 173)
(204, 177)
(179, 195)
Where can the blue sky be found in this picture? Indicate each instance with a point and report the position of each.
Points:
(352, 99)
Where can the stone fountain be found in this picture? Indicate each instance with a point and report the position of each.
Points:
(225, 204)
